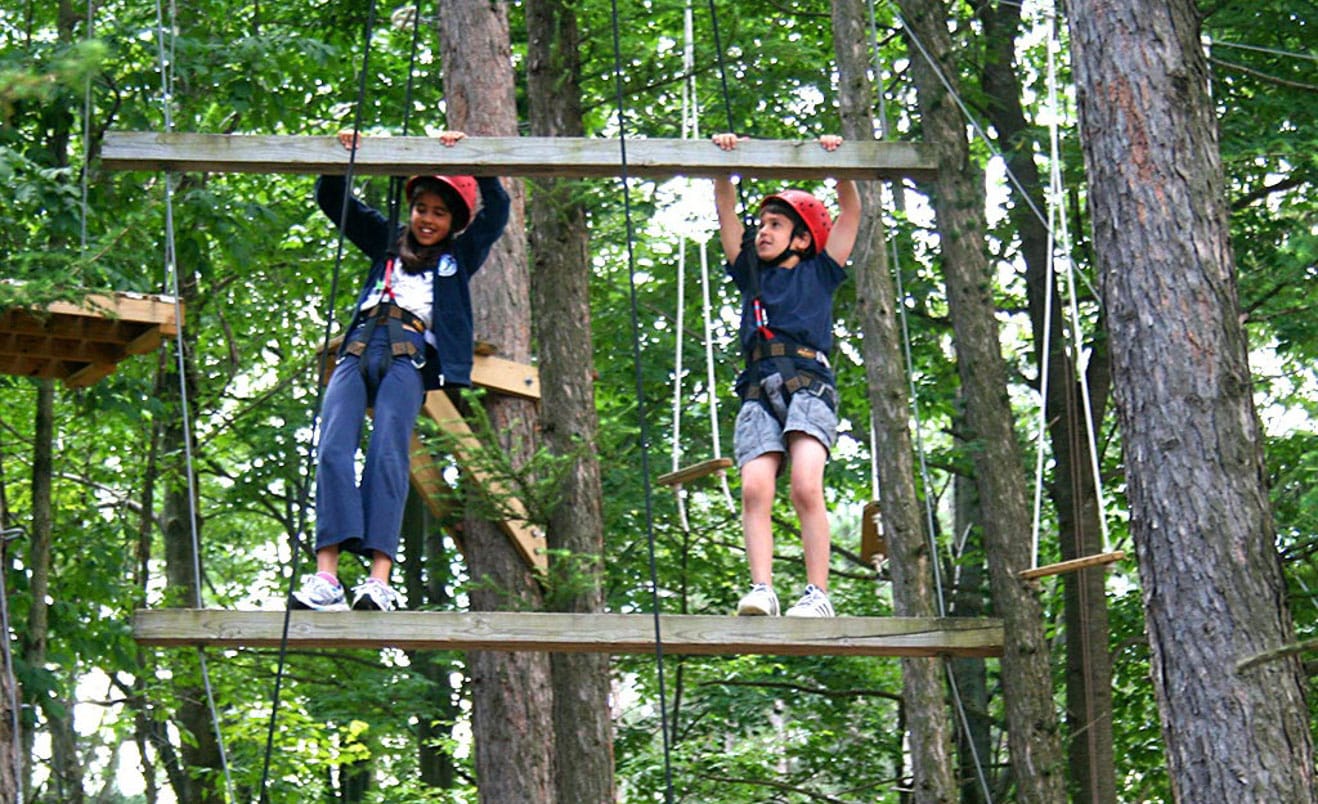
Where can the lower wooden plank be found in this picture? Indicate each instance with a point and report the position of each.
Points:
(573, 633)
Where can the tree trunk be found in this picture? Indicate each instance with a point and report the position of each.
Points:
(511, 692)
(914, 595)
(1212, 580)
(12, 756)
(958, 199)
(560, 285)
(1073, 489)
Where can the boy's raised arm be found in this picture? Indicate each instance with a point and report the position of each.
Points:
(730, 227)
(843, 237)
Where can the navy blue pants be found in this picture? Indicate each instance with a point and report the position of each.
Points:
(367, 517)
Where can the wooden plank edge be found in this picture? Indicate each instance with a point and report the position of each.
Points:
(572, 633)
(596, 157)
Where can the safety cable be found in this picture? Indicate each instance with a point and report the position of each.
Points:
(396, 182)
(172, 280)
(321, 363)
(640, 400)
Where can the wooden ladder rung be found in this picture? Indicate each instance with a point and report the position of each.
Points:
(872, 543)
(695, 472)
(1096, 560)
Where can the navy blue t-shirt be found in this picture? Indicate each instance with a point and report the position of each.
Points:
(798, 300)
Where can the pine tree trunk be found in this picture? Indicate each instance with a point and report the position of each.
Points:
(1212, 580)
(958, 198)
(561, 288)
(1073, 490)
(512, 700)
(914, 595)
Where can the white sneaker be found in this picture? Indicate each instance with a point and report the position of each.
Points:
(814, 603)
(373, 595)
(319, 594)
(760, 601)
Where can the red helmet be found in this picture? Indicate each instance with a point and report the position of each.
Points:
(463, 186)
(811, 210)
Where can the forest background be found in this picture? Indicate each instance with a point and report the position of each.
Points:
(104, 720)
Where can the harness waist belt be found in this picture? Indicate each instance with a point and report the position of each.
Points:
(765, 351)
(410, 320)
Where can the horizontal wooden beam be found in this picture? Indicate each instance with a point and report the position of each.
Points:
(514, 156)
(574, 633)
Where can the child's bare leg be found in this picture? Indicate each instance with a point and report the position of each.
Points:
(381, 564)
(327, 560)
(808, 459)
(758, 481)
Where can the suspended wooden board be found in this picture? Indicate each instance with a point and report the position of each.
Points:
(84, 342)
(574, 633)
(513, 156)
(872, 544)
(695, 471)
(1096, 560)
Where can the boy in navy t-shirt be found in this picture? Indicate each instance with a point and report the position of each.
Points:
(787, 275)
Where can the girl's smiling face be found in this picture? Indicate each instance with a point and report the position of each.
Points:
(431, 219)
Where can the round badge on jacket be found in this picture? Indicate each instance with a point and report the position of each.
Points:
(447, 266)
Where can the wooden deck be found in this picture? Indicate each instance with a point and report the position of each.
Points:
(514, 156)
(573, 633)
(83, 343)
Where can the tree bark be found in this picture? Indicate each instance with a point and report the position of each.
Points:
(1212, 580)
(911, 562)
(1072, 488)
(512, 697)
(958, 199)
(560, 286)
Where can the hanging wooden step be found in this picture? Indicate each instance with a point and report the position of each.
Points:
(84, 342)
(514, 156)
(573, 633)
(694, 472)
(873, 547)
(1096, 560)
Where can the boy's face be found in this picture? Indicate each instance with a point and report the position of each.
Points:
(431, 219)
(775, 236)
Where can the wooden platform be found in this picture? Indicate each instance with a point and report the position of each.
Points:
(83, 343)
(513, 156)
(573, 633)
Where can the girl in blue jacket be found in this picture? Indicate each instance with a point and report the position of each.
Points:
(412, 332)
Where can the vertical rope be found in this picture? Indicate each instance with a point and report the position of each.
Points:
(640, 403)
(172, 280)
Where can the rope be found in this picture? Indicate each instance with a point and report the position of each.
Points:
(640, 400)
(172, 279)
(304, 492)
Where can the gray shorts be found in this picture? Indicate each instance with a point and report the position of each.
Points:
(757, 430)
